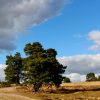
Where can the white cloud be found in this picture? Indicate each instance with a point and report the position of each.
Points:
(78, 36)
(95, 37)
(2, 75)
(75, 77)
(17, 15)
(80, 65)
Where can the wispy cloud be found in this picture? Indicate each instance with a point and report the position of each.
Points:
(78, 36)
(17, 15)
(95, 37)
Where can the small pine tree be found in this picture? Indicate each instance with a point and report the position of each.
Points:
(13, 69)
(91, 77)
(66, 80)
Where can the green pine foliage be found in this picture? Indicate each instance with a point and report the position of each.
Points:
(91, 77)
(13, 69)
(42, 66)
(66, 80)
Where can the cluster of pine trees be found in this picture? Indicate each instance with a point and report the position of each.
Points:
(92, 77)
(39, 66)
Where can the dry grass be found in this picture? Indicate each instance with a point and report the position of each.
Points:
(71, 91)
(71, 94)
(75, 91)
(81, 86)
(86, 95)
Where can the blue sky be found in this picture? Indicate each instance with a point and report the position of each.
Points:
(67, 32)
(73, 31)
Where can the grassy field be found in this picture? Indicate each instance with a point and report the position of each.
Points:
(86, 95)
(68, 91)
(81, 86)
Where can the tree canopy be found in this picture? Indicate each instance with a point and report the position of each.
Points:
(91, 77)
(42, 65)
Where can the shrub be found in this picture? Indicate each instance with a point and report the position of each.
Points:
(4, 84)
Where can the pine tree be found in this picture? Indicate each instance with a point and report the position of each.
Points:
(42, 66)
(13, 69)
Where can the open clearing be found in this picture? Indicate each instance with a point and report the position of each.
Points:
(73, 91)
(5, 96)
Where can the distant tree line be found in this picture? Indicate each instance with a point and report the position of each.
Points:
(39, 66)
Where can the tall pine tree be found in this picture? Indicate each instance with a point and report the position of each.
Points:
(42, 66)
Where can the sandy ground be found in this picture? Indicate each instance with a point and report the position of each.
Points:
(10, 94)
(5, 96)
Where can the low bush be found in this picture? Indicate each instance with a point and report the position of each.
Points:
(4, 84)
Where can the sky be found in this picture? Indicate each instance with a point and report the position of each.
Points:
(72, 27)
